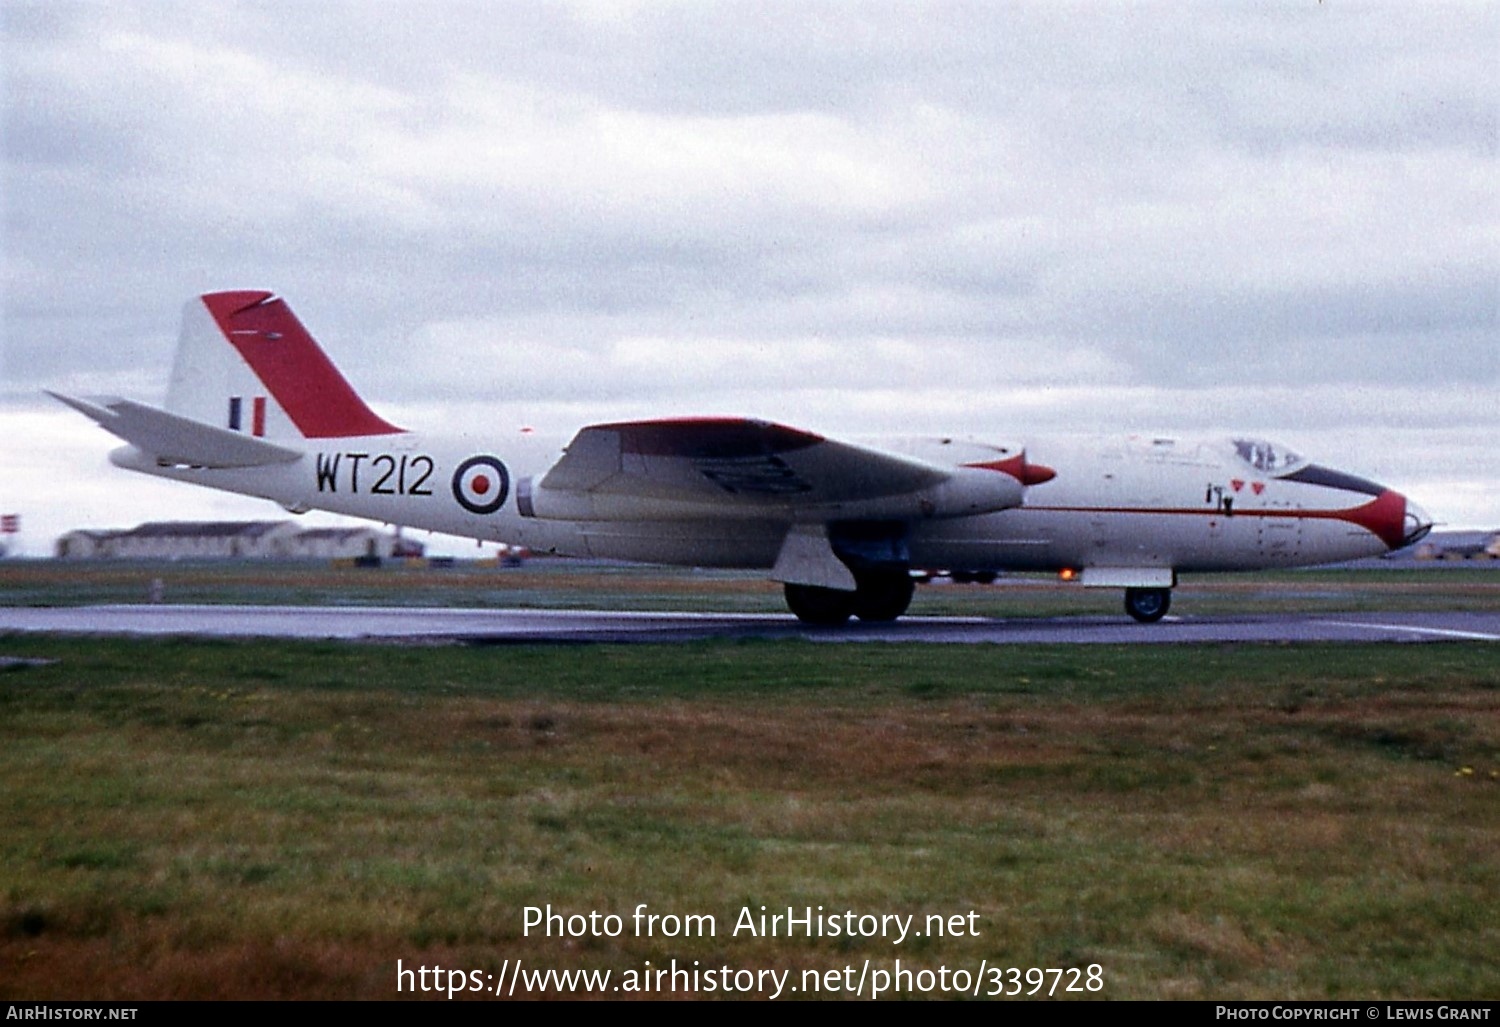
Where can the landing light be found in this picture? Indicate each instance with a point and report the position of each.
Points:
(1067, 574)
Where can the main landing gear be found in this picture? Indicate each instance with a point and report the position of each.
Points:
(883, 596)
(1148, 605)
(879, 597)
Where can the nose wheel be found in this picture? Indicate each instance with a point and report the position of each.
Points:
(1148, 605)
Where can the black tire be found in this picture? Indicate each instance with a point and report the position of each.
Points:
(816, 605)
(883, 597)
(1148, 605)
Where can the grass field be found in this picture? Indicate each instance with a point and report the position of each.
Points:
(563, 584)
(198, 819)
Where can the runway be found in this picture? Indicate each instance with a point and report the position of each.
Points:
(511, 626)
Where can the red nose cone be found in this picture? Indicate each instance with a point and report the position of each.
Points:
(1384, 517)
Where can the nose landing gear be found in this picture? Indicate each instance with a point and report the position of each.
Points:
(1148, 605)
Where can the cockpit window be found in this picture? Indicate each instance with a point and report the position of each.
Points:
(1266, 457)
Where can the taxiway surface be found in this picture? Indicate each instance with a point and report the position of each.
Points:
(495, 627)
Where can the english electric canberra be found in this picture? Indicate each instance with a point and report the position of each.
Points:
(256, 407)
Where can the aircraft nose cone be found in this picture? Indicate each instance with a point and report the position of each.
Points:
(1416, 526)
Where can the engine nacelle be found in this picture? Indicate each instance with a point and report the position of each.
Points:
(967, 491)
(972, 491)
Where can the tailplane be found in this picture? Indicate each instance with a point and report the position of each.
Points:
(245, 364)
(168, 440)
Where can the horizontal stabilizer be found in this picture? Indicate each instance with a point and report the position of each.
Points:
(172, 439)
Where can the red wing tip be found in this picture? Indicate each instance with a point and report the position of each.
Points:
(695, 421)
(717, 424)
(709, 437)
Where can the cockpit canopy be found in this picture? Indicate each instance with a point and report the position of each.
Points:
(1267, 457)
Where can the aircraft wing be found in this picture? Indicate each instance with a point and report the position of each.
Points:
(745, 467)
(739, 457)
(172, 439)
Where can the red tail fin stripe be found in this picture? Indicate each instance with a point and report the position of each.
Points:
(319, 400)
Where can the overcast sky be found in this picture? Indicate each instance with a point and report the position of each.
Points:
(1003, 220)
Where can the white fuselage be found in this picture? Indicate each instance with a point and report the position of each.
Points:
(1119, 503)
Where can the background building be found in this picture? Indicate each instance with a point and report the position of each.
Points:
(1459, 545)
(232, 540)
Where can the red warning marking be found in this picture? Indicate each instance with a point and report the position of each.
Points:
(313, 393)
(1258, 486)
(1236, 484)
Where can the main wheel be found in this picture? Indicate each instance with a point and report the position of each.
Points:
(816, 605)
(883, 597)
(1148, 605)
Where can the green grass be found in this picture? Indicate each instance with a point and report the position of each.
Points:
(215, 819)
(567, 584)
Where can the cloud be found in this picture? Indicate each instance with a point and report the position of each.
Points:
(1073, 217)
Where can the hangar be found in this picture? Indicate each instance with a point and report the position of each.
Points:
(232, 540)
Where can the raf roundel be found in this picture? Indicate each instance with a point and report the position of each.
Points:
(481, 484)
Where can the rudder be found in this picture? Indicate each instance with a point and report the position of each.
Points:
(244, 362)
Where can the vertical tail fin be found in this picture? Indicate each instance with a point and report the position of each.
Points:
(244, 362)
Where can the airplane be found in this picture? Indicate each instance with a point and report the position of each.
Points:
(256, 407)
